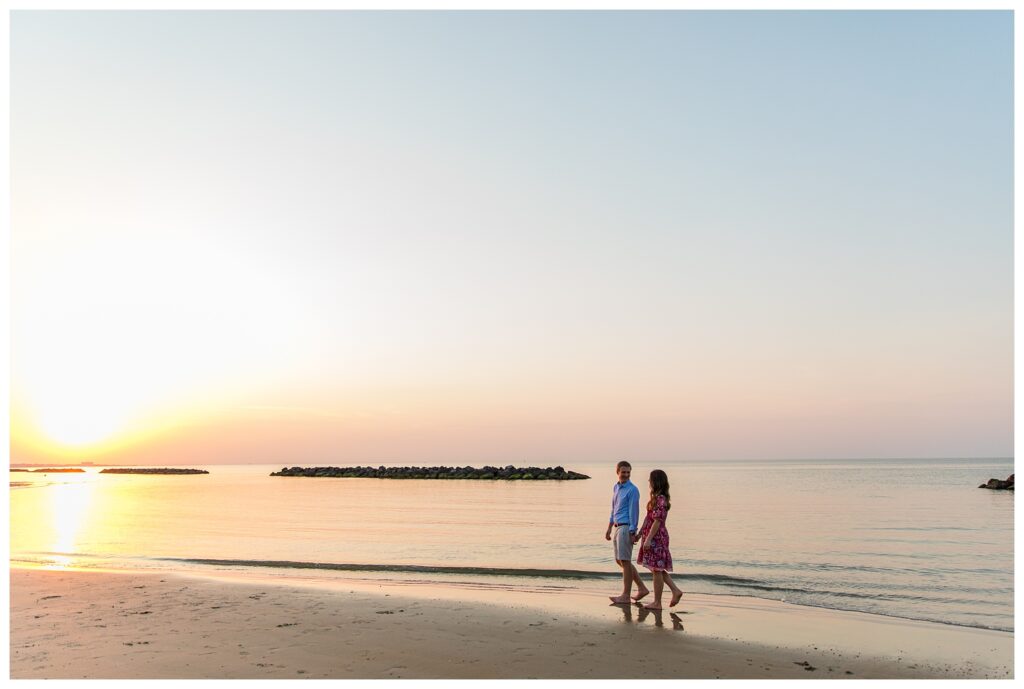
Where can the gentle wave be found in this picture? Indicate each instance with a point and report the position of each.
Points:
(866, 596)
(799, 566)
(421, 569)
(722, 579)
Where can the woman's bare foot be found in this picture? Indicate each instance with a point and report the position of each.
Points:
(675, 599)
(641, 594)
(656, 606)
(619, 600)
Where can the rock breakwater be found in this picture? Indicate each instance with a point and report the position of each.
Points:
(154, 471)
(487, 473)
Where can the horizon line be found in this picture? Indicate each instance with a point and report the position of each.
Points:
(676, 461)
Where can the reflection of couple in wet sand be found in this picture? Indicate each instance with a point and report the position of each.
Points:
(652, 536)
(642, 613)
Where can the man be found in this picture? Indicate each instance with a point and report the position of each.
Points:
(623, 521)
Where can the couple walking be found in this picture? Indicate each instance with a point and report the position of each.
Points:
(653, 536)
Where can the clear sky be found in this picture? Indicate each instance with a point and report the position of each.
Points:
(479, 237)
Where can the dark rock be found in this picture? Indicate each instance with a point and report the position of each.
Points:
(996, 484)
(437, 472)
(154, 471)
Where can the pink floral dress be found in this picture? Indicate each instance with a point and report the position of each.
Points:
(655, 556)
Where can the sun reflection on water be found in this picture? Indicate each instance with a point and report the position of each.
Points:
(70, 501)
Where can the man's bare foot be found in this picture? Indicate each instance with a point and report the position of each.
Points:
(619, 600)
(675, 599)
(638, 596)
(652, 607)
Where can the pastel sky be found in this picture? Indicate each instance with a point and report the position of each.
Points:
(477, 237)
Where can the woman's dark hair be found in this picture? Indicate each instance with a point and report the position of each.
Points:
(659, 486)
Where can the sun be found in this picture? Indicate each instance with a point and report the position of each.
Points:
(71, 413)
(73, 422)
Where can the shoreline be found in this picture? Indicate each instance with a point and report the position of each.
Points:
(244, 624)
(521, 579)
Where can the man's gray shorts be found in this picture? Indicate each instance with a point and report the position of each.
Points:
(622, 542)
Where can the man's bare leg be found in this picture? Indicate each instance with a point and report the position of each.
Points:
(628, 571)
(641, 589)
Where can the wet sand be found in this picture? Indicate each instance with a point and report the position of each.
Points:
(85, 624)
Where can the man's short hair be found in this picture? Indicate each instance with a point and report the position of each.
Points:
(621, 464)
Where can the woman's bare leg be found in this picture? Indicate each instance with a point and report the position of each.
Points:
(659, 586)
(677, 593)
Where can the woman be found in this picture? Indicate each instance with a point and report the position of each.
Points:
(654, 553)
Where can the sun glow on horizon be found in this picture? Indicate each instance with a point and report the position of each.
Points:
(137, 346)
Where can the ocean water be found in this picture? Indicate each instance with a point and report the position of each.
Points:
(907, 538)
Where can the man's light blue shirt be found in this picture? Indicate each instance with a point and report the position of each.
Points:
(625, 505)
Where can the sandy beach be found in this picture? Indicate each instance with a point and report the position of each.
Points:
(79, 624)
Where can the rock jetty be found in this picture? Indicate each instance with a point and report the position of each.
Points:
(488, 473)
(154, 471)
(62, 470)
(996, 484)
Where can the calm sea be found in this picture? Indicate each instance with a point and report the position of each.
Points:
(907, 538)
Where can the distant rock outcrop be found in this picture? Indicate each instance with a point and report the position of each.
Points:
(488, 473)
(996, 484)
(61, 470)
(154, 471)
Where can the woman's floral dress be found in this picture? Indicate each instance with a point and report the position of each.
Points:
(655, 556)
